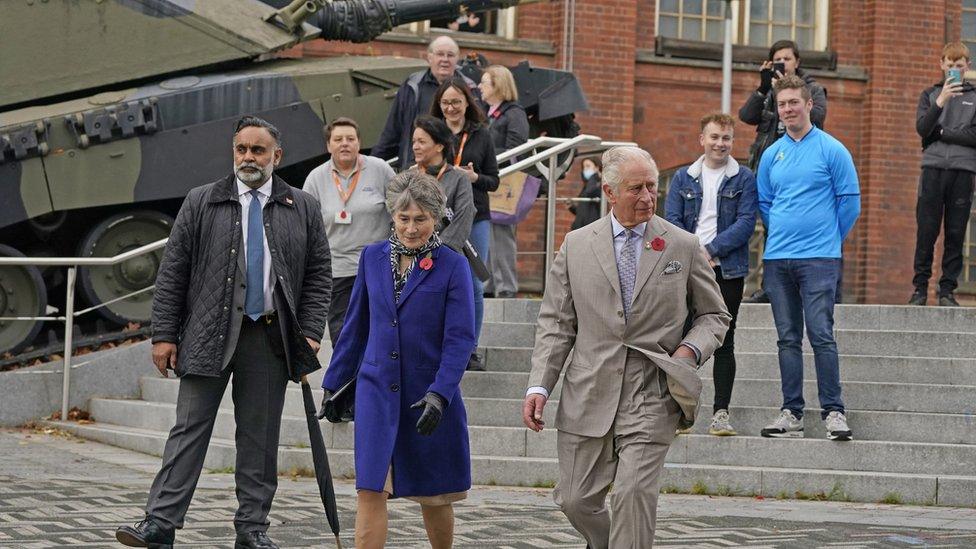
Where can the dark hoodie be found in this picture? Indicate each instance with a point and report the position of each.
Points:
(948, 133)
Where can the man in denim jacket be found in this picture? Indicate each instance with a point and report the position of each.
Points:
(715, 198)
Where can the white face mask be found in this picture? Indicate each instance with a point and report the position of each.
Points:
(588, 173)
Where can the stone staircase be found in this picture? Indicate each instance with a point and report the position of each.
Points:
(909, 380)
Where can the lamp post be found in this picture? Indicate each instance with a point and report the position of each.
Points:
(727, 60)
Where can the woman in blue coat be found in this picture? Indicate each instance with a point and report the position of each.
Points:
(410, 331)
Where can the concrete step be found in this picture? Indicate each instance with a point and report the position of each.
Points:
(810, 453)
(953, 426)
(769, 481)
(882, 369)
(878, 317)
(849, 317)
(763, 339)
(958, 428)
(858, 395)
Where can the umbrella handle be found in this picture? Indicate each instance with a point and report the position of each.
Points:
(338, 543)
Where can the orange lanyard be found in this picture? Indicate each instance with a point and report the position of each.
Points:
(457, 157)
(344, 195)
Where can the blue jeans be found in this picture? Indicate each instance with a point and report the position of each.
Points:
(480, 237)
(803, 289)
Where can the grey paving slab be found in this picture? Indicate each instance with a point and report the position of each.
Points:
(58, 492)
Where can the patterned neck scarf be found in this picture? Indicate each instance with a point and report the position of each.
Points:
(397, 249)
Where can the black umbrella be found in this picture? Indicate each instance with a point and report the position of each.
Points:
(323, 473)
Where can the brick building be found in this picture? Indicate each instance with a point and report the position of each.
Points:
(651, 68)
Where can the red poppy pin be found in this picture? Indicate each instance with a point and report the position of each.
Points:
(657, 244)
(426, 263)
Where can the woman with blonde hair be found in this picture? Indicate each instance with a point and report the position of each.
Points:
(509, 128)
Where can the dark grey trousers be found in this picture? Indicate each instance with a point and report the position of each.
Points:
(260, 377)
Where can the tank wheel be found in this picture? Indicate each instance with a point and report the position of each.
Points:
(115, 235)
(22, 293)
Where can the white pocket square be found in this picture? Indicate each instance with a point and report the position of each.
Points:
(672, 267)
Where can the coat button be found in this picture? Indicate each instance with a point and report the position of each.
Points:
(620, 371)
(394, 355)
(233, 251)
(394, 387)
(239, 309)
(229, 280)
(395, 322)
(620, 314)
(272, 250)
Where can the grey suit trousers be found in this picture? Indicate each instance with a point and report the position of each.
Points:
(504, 251)
(260, 377)
(630, 457)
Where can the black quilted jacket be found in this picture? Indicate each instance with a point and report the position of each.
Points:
(194, 288)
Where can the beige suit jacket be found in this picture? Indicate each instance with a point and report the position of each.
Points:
(582, 320)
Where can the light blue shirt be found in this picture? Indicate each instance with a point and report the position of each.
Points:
(619, 236)
(245, 197)
(809, 196)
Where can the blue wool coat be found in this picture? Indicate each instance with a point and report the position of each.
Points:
(422, 344)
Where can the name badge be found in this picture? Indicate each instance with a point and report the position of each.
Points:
(342, 217)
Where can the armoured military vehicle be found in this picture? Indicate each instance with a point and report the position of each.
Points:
(104, 130)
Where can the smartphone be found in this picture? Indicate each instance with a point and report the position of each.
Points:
(779, 68)
(953, 75)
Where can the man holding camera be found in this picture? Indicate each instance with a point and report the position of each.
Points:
(946, 122)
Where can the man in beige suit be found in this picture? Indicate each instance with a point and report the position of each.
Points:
(617, 304)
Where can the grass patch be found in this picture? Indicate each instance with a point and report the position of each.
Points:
(724, 491)
(891, 498)
(699, 488)
(836, 493)
(544, 484)
(301, 445)
(296, 472)
(223, 470)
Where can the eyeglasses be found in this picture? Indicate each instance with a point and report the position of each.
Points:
(453, 103)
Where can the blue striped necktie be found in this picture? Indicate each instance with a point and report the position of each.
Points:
(254, 297)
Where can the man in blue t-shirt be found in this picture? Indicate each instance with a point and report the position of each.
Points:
(809, 199)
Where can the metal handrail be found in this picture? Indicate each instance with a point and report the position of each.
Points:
(72, 263)
(557, 146)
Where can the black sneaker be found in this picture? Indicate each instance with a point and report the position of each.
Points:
(254, 540)
(759, 296)
(475, 364)
(918, 298)
(948, 300)
(146, 533)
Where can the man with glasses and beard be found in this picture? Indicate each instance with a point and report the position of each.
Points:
(242, 292)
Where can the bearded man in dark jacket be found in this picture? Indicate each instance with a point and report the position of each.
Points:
(243, 291)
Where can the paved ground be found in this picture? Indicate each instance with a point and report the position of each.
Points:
(57, 491)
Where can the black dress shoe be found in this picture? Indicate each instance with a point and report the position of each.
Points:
(146, 534)
(475, 364)
(505, 295)
(759, 296)
(254, 540)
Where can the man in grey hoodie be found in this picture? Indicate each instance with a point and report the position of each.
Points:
(946, 122)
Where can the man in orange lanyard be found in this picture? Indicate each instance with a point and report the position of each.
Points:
(352, 191)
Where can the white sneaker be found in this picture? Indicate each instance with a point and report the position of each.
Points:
(720, 425)
(786, 426)
(837, 428)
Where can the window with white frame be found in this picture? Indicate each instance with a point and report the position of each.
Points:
(755, 22)
(968, 31)
(500, 22)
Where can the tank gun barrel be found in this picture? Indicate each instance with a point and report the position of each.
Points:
(363, 20)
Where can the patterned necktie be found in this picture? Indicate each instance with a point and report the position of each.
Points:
(254, 296)
(627, 269)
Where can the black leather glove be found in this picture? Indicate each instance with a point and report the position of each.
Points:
(433, 405)
(765, 81)
(325, 397)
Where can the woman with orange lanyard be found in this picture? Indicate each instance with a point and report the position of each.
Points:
(351, 189)
(432, 144)
(475, 157)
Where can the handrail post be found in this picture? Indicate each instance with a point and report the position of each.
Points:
(69, 323)
(550, 218)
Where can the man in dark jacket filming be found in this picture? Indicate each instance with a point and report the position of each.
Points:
(242, 292)
(946, 122)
